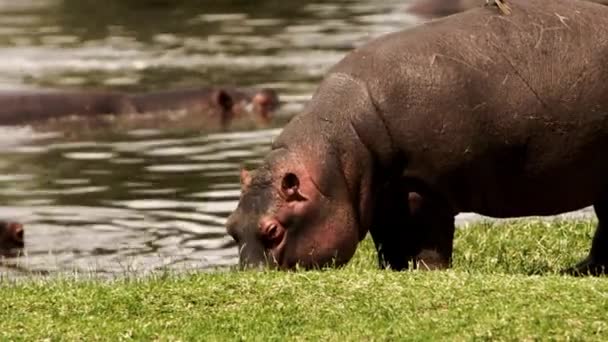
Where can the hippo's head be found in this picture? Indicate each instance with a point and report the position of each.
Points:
(11, 238)
(289, 215)
(258, 104)
(264, 103)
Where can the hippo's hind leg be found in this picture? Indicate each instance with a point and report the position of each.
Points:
(411, 228)
(433, 228)
(596, 263)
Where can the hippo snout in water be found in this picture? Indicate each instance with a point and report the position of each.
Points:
(258, 104)
(11, 238)
(231, 104)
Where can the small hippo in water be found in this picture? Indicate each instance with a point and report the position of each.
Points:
(500, 115)
(11, 238)
(224, 105)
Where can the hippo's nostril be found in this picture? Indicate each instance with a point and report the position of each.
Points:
(272, 231)
(273, 235)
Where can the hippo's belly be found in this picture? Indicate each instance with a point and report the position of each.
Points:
(549, 194)
(547, 175)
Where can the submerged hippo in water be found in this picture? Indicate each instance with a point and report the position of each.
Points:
(442, 8)
(24, 106)
(235, 103)
(224, 105)
(11, 238)
(505, 116)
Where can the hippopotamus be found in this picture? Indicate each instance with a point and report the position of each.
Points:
(256, 104)
(260, 103)
(11, 238)
(28, 106)
(442, 8)
(501, 115)
(225, 104)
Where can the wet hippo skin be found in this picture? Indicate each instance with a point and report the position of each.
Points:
(23, 107)
(222, 104)
(500, 115)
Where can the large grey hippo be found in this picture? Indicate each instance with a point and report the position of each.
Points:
(500, 115)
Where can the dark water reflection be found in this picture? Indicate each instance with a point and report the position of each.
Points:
(142, 200)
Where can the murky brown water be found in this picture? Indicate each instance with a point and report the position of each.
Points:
(143, 200)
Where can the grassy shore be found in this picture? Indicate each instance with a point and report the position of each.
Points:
(504, 286)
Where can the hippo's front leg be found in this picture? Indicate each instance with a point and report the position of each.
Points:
(409, 227)
(389, 230)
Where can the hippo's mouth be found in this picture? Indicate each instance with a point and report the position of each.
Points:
(277, 253)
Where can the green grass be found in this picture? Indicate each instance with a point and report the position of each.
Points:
(504, 286)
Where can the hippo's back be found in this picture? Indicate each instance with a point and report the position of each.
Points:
(27, 106)
(168, 100)
(506, 115)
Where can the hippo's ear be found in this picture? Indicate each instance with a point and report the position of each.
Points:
(291, 187)
(223, 99)
(245, 179)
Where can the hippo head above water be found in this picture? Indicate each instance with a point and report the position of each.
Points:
(259, 104)
(11, 238)
(265, 102)
(286, 217)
